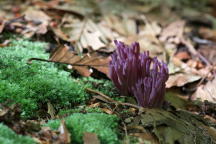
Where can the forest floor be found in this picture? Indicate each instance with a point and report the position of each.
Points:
(54, 71)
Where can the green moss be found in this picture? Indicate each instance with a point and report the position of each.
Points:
(103, 125)
(104, 86)
(33, 85)
(7, 136)
(80, 109)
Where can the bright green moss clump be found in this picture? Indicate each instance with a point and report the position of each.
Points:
(33, 85)
(103, 125)
(7, 136)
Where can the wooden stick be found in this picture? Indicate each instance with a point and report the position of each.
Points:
(44, 60)
(113, 101)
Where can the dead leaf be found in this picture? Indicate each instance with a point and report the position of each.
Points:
(93, 40)
(94, 105)
(90, 138)
(3, 111)
(176, 126)
(38, 17)
(83, 34)
(181, 79)
(147, 38)
(173, 33)
(92, 60)
(195, 64)
(51, 110)
(47, 136)
(185, 68)
(209, 52)
(208, 33)
(183, 55)
(108, 111)
(206, 92)
(10, 114)
(2, 25)
(60, 34)
(116, 24)
(64, 133)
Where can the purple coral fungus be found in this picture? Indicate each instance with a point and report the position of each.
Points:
(137, 74)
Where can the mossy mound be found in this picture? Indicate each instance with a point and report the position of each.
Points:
(103, 125)
(7, 136)
(34, 85)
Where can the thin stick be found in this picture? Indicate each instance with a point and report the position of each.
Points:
(195, 52)
(39, 59)
(113, 101)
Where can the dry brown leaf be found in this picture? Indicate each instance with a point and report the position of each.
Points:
(64, 133)
(94, 105)
(183, 55)
(130, 26)
(116, 24)
(208, 34)
(2, 25)
(173, 33)
(93, 60)
(47, 136)
(147, 38)
(90, 138)
(60, 34)
(204, 72)
(181, 79)
(51, 110)
(36, 16)
(208, 51)
(93, 40)
(82, 34)
(108, 111)
(3, 112)
(195, 64)
(206, 92)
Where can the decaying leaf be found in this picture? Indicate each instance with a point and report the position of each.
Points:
(84, 35)
(177, 126)
(182, 73)
(173, 33)
(177, 100)
(64, 133)
(208, 34)
(86, 61)
(9, 114)
(47, 136)
(206, 92)
(36, 16)
(181, 79)
(126, 26)
(90, 138)
(51, 110)
(209, 51)
(2, 25)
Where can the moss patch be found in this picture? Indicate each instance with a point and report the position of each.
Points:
(33, 85)
(103, 125)
(7, 136)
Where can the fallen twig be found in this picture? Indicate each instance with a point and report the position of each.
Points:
(44, 60)
(111, 100)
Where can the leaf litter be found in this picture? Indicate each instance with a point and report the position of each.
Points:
(84, 41)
